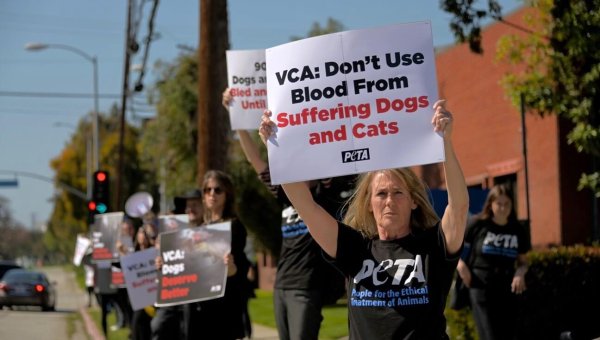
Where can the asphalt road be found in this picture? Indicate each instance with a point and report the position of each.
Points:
(63, 324)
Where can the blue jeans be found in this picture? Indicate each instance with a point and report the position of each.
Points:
(166, 323)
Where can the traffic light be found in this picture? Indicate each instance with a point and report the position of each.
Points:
(100, 193)
(91, 205)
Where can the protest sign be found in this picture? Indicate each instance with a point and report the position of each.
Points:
(140, 277)
(172, 222)
(247, 81)
(105, 233)
(81, 246)
(193, 264)
(352, 102)
(117, 279)
(103, 278)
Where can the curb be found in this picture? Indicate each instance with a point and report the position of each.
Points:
(90, 327)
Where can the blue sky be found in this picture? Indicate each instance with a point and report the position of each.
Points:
(34, 129)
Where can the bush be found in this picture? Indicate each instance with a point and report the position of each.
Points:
(563, 287)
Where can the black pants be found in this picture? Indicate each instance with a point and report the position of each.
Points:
(298, 313)
(140, 325)
(495, 313)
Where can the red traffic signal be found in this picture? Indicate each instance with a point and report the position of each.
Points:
(101, 176)
(92, 206)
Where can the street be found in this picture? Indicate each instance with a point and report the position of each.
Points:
(64, 323)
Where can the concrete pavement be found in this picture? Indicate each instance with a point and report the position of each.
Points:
(259, 332)
(264, 333)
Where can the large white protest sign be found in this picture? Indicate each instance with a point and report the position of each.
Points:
(353, 102)
(248, 87)
(140, 277)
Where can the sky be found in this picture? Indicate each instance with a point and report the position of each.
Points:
(34, 128)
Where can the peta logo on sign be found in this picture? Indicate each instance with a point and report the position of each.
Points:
(355, 155)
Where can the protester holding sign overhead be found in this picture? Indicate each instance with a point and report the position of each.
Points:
(398, 256)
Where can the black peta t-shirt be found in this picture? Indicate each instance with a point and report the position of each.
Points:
(397, 289)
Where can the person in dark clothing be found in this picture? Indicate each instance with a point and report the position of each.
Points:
(496, 244)
(222, 318)
(140, 320)
(304, 281)
(172, 322)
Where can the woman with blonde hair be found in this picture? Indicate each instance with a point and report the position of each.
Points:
(398, 257)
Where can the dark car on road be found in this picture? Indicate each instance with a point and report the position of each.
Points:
(21, 287)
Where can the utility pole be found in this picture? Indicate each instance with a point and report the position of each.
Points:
(213, 120)
(124, 96)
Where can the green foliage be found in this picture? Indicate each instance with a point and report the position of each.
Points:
(460, 324)
(467, 20)
(332, 26)
(562, 287)
(168, 142)
(561, 71)
(256, 206)
(69, 216)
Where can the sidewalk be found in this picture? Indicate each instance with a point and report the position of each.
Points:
(264, 333)
(259, 332)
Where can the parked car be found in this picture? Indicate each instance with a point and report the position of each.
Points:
(21, 287)
(6, 265)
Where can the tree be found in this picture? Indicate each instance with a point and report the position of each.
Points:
(561, 72)
(168, 144)
(332, 26)
(16, 240)
(69, 216)
(467, 20)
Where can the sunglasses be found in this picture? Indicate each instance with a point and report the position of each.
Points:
(216, 190)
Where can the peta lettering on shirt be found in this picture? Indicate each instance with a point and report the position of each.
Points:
(500, 244)
(406, 287)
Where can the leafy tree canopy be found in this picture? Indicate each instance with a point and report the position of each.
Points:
(561, 73)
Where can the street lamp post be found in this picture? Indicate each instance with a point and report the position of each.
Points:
(94, 61)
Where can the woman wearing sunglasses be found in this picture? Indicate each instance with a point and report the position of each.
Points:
(222, 318)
